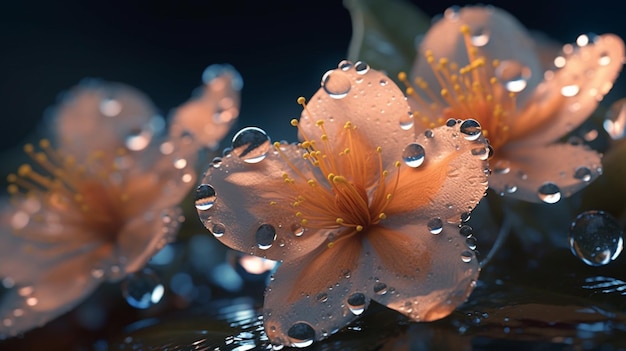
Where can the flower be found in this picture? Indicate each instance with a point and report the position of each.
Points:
(480, 63)
(361, 209)
(100, 198)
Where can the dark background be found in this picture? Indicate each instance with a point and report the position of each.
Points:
(281, 48)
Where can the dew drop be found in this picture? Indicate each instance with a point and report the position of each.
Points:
(481, 152)
(322, 297)
(265, 236)
(361, 67)
(138, 139)
(596, 238)
(502, 167)
(428, 133)
(142, 289)
(380, 288)
(407, 121)
(356, 303)
(217, 229)
(383, 82)
(336, 84)
(413, 155)
(480, 37)
(251, 144)
(513, 75)
(466, 230)
(471, 129)
(510, 189)
(215, 71)
(582, 173)
(205, 197)
(301, 334)
(217, 162)
(345, 65)
(466, 256)
(471, 242)
(604, 59)
(297, 229)
(435, 225)
(549, 193)
(110, 107)
(451, 122)
(570, 90)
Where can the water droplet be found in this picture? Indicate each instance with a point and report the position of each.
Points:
(356, 303)
(481, 152)
(480, 37)
(435, 225)
(451, 122)
(407, 121)
(142, 289)
(466, 256)
(336, 84)
(509, 188)
(604, 59)
(380, 288)
(205, 197)
(502, 167)
(413, 155)
(582, 173)
(513, 75)
(265, 236)
(322, 297)
(297, 229)
(251, 144)
(216, 71)
(110, 107)
(549, 193)
(217, 162)
(361, 67)
(138, 139)
(570, 90)
(217, 229)
(345, 65)
(466, 230)
(471, 129)
(596, 238)
(428, 133)
(471, 242)
(301, 334)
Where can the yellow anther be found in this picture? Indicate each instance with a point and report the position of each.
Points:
(298, 214)
(28, 148)
(444, 92)
(304, 221)
(324, 137)
(359, 228)
(379, 149)
(24, 170)
(385, 173)
(294, 122)
(330, 177)
(311, 182)
(12, 189)
(339, 220)
(319, 123)
(285, 175)
(331, 244)
(388, 196)
(346, 150)
(272, 203)
(348, 125)
(495, 63)
(397, 164)
(410, 91)
(277, 144)
(44, 143)
(443, 61)
(493, 80)
(402, 76)
(301, 100)
(465, 29)
(382, 216)
(11, 178)
(305, 144)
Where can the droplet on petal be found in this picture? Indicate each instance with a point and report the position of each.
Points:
(413, 155)
(471, 129)
(361, 67)
(205, 197)
(265, 236)
(480, 37)
(380, 288)
(336, 84)
(466, 256)
(356, 303)
(301, 334)
(435, 225)
(142, 289)
(513, 75)
(570, 90)
(596, 238)
(217, 229)
(407, 121)
(251, 144)
(297, 229)
(344, 65)
(583, 173)
(549, 193)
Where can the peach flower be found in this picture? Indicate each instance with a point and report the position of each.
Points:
(361, 209)
(98, 201)
(480, 63)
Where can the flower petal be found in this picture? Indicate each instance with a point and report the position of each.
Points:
(451, 181)
(105, 116)
(422, 275)
(366, 98)
(570, 94)
(498, 35)
(526, 173)
(242, 215)
(315, 295)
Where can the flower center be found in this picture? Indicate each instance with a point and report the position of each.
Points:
(344, 184)
(482, 90)
(70, 188)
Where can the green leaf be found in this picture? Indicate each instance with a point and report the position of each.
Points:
(384, 32)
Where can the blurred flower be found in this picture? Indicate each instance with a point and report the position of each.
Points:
(480, 63)
(361, 209)
(99, 200)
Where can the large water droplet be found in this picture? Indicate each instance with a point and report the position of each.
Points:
(413, 155)
(407, 121)
(297, 229)
(596, 238)
(471, 129)
(142, 289)
(549, 193)
(513, 75)
(265, 236)
(344, 65)
(435, 225)
(480, 37)
(251, 144)
(380, 288)
(466, 256)
(301, 334)
(356, 303)
(570, 90)
(217, 229)
(205, 197)
(336, 84)
(361, 67)
(582, 173)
